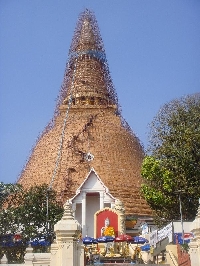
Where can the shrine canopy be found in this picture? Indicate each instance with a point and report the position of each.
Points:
(123, 238)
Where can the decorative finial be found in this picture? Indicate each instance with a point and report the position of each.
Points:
(68, 213)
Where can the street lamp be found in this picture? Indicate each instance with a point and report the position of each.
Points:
(180, 204)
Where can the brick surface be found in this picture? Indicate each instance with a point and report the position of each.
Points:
(94, 125)
(117, 157)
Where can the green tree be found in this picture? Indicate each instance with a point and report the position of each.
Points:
(31, 213)
(24, 211)
(6, 190)
(9, 197)
(173, 162)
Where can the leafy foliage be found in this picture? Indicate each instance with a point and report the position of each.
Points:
(6, 190)
(31, 213)
(25, 211)
(9, 197)
(173, 164)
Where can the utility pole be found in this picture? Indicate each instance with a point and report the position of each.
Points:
(181, 214)
(179, 197)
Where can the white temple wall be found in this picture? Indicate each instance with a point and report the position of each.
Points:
(178, 226)
(78, 213)
(92, 183)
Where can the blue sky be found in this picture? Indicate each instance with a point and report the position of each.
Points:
(153, 52)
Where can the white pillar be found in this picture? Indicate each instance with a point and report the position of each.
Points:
(64, 250)
(101, 200)
(194, 244)
(84, 214)
(74, 210)
(29, 257)
(4, 260)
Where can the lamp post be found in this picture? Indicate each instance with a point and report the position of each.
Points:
(180, 206)
(179, 197)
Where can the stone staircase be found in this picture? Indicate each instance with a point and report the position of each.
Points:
(160, 246)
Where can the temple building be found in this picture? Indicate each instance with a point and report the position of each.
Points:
(88, 153)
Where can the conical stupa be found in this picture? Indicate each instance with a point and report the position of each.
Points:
(87, 130)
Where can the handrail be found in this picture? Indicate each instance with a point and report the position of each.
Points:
(172, 258)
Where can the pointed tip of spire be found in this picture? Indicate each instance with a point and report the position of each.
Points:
(86, 35)
(88, 11)
(87, 14)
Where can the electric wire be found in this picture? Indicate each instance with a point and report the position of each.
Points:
(61, 144)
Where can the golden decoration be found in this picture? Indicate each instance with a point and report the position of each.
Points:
(109, 231)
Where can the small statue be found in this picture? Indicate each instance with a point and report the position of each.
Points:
(107, 230)
(103, 253)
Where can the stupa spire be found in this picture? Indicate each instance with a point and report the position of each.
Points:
(87, 79)
(90, 124)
